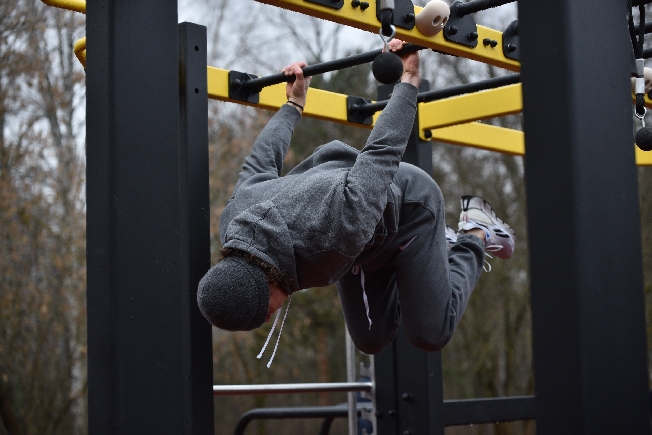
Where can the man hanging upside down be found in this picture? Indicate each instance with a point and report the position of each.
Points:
(362, 219)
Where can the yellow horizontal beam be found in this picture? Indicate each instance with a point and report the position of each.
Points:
(329, 106)
(643, 158)
(366, 20)
(499, 139)
(484, 136)
(487, 104)
(71, 5)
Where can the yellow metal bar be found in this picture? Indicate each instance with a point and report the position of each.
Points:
(80, 51)
(366, 20)
(329, 106)
(484, 136)
(491, 103)
(71, 5)
(643, 158)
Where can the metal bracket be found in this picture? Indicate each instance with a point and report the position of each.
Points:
(461, 28)
(511, 45)
(353, 114)
(335, 4)
(236, 92)
(403, 13)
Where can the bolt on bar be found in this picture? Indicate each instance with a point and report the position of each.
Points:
(232, 390)
(320, 68)
(480, 5)
(440, 94)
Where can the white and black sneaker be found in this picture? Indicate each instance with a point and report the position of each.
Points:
(477, 213)
(451, 237)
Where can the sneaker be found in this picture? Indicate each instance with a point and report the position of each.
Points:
(451, 237)
(477, 213)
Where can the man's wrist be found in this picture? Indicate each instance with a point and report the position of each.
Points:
(296, 105)
(413, 79)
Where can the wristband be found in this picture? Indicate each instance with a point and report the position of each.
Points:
(295, 104)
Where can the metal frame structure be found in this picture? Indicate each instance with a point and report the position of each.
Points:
(148, 240)
(590, 357)
(149, 362)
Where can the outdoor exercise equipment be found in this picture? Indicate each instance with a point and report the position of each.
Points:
(149, 350)
(365, 110)
(643, 137)
(246, 87)
(432, 18)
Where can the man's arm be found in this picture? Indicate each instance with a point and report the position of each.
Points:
(375, 167)
(272, 143)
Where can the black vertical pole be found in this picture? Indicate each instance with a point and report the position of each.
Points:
(195, 227)
(409, 384)
(585, 245)
(139, 321)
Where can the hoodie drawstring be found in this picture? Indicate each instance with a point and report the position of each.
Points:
(280, 331)
(355, 271)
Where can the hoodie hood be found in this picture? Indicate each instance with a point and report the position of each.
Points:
(261, 231)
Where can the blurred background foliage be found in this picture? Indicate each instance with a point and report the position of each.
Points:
(42, 221)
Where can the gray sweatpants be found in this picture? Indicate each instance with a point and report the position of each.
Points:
(415, 280)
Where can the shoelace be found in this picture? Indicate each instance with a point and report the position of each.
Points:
(280, 331)
(355, 271)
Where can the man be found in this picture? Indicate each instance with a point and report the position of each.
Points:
(359, 218)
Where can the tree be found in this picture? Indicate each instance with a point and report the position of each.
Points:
(42, 306)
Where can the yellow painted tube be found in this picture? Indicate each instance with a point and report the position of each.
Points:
(329, 106)
(70, 5)
(483, 136)
(80, 51)
(487, 104)
(643, 158)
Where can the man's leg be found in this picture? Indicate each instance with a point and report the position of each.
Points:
(382, 297)
(434, 283)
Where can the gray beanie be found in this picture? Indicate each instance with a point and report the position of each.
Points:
(234, 295)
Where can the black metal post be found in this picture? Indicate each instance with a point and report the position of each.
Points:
(147, 367)
(195, 254)
(584, 231)
(409, 384)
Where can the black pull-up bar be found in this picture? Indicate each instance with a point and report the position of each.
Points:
(257, 84)
(640, 2)
(480, 5)
(440, 94)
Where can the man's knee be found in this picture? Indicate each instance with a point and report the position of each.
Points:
(370, 344)
(430, 343)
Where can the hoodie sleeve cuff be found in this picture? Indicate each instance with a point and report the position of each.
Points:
(290, 113)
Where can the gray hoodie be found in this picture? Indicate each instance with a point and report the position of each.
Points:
(332, 210)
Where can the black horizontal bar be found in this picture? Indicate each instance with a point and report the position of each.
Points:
(648, 27)
(647, 53)
(440, 94)
(480, 5)
(321, 68)
(298, 412)
(640, 2)
(478, 411)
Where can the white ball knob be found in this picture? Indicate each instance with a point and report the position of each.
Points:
(432, 18)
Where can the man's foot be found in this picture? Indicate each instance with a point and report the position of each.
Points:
(477, 213)
(451, 237)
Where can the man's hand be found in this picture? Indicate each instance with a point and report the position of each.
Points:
(297, 91)
(410, 63)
